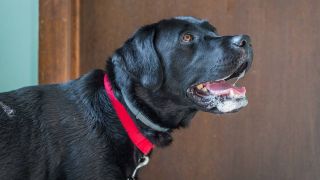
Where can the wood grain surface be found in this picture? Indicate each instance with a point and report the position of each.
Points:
(59, 36)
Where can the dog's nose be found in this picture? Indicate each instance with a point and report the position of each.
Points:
(241, 41)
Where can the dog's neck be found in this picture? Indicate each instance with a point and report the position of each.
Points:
(141, 116)
(100, 115)
(160, 108)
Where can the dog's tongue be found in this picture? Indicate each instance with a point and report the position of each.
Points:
(224, 88)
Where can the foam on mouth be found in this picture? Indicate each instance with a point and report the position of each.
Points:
(226, 103)
(230, 105)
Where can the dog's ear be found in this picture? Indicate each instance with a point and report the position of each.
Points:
(141, 60)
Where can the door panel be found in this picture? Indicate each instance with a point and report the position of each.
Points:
(276, 136)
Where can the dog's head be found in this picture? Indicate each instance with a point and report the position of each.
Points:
(187, 60)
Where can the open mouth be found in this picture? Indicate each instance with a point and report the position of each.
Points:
(222, 94)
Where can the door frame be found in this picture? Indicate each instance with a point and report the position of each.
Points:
(59, 40)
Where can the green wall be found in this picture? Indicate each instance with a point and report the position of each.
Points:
(18, 43)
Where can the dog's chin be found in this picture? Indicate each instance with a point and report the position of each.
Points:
(229, 106)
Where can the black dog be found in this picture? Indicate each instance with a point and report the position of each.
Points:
(168, 71)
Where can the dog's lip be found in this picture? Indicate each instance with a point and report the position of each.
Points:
(205, 94)
(215, 96)
(221, 86)
(217, 88)
(242, 68)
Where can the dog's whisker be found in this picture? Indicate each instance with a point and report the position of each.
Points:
(239, 77)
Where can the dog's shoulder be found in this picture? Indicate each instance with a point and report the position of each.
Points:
(22, 101)
(49, 106)
(33, 97)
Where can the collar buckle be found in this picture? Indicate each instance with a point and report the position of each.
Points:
(143, 161)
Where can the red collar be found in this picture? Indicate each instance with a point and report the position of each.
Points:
(137, 138)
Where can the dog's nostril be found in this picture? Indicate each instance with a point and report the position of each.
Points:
(241, 41)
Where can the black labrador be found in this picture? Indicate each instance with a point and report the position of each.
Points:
(167, 71)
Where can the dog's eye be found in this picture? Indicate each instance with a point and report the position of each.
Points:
(187, 37)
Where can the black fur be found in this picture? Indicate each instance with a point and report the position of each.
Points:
(70, 131)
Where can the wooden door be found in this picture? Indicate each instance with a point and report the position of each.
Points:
(276, 137)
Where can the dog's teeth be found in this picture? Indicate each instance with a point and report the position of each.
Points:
(200, 86)
(205, 89)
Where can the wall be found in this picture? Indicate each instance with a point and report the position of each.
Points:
(276, 137)
(18, 44)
